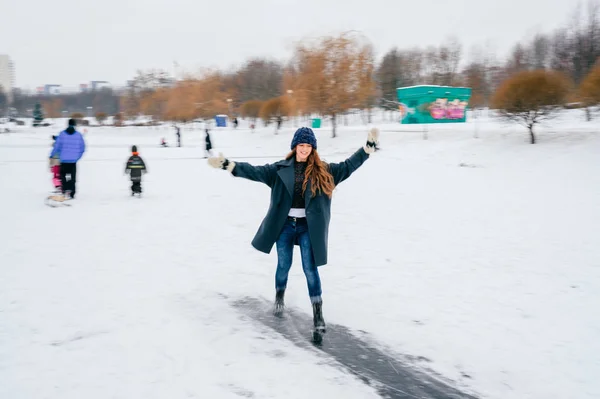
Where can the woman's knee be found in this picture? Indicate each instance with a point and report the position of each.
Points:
(308, 262)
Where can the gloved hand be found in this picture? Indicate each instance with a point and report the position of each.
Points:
(221, 162)
(372, 141)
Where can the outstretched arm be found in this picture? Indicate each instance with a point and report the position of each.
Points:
(342, 170)
(265, 174)
(82, 143)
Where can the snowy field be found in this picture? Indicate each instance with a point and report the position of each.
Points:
(479, 254)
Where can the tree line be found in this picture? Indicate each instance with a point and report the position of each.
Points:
(333, 75)
(103, 100)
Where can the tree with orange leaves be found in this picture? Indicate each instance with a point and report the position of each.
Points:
(212, 94)
(529, 97)
(291, 86)
(197, 97)
(251, 109)
(53, 107)
(153, 103)
(275, 108)
(589, 90)
(180, 104)
(335, 74)
(101, 117)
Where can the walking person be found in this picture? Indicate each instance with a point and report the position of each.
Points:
(208, 144)
(70, 147)
(301, 189)
(136, 167)
(178, 133)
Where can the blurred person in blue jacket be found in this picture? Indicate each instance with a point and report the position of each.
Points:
(70, 147)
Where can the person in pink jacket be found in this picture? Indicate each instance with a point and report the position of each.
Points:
(55, 169)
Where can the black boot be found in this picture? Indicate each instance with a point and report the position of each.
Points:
(318, 317)
(279, 305)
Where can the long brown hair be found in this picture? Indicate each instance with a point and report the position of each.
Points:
(318, 173)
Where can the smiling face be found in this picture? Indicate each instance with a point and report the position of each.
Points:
(302, 152)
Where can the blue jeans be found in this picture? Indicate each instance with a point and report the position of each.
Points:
(297, 230)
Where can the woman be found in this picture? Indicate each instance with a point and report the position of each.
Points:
(299, 214)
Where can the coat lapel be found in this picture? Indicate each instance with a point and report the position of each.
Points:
(287, 175)
(307, 195)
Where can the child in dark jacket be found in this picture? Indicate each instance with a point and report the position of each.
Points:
(135, 167)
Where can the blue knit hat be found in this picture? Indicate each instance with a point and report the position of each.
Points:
(304, 135)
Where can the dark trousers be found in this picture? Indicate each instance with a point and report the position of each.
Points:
(136, 184)
(68, 177)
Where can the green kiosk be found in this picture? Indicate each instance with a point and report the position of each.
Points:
(433, 104)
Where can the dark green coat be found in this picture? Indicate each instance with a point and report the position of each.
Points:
(280, 177)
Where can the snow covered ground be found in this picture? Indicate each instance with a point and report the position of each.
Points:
(479, 254)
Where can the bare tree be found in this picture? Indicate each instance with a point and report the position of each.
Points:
(448, 59)
(576, 47)
(392, 73)
(483, 74)
(475, 78)
(591, 47)
(440, 64)
(540, 52)
(259, 79)
(3, 101)
(561, 54)
(518, 60)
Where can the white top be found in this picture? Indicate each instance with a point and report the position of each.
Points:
(297, 213)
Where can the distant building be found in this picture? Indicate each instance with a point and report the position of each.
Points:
(51, 89)
(48, 90)
(98, 84)
(7, 75)
(93, 86)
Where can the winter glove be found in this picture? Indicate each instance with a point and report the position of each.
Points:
(221, 162)
(372, 141)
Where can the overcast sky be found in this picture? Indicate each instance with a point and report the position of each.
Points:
(74, 41)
